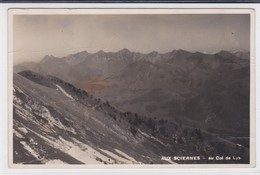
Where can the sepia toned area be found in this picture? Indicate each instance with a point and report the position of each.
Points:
(131, 89)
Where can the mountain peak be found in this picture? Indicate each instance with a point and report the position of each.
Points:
(153, 53)
(224, 53)
(125, 50)
(181, 50)
(83, 52)
(242, 54)
(47, 58)
(101, 52)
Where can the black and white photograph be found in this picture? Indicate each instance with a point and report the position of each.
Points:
(111, 87)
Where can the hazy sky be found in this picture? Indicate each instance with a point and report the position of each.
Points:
(38, 35)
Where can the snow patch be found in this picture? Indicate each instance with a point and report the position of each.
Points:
(55, 144)
(84, 153)
(125, 155)
(45, 113)
(170, 161)
(23, 130)
(99, 122)
(119, 159)
(25, 114)
(149, 136)
(64, 92)
(29, 149)
(55, 162)
(18, 134)
(16, 88)
(17, 100)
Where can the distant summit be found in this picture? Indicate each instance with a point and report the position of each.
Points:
(47, 58)
(242, 54)
(125, 50)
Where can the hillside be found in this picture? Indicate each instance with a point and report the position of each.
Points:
(57, 123)
(205, 91)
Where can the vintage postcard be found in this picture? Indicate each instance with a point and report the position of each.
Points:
(104, 88)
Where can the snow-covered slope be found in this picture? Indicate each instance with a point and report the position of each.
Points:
(54, 126)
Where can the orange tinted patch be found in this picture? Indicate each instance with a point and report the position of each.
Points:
(95, 85)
